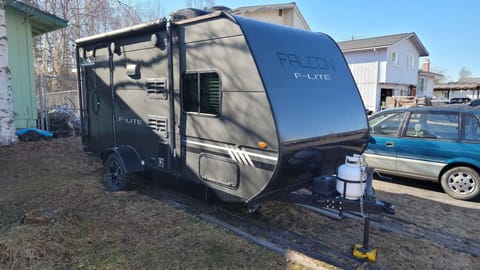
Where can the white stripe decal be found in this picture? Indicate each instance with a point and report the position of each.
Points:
(232, 155)
(229, 151)
(242, 156)
(239, 157)
(262, 156)
(248, 159)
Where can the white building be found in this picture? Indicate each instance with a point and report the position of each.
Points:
(466, 87)
(384, 66)
(426, 81)
(285, 14)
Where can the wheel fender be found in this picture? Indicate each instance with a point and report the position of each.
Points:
(459, 162)
(128, 155)
(469, 161)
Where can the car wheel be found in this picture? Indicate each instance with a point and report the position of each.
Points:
(461, 183)
(116, 176)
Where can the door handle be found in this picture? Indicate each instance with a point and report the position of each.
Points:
(389, 144)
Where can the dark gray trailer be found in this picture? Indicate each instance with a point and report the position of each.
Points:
(245, 108)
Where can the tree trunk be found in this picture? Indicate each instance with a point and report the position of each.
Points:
(7, 124)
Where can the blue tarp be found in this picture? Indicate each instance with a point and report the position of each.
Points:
(41, 132)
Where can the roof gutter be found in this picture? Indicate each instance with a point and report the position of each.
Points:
(43, 21)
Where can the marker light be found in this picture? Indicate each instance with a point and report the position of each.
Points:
(262, 145)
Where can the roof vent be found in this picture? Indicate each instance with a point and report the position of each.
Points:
(188, 13)
(220, 8)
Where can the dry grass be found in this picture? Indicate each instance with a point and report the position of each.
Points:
(95, 230)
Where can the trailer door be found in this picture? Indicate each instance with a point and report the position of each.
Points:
(142, 101)
(99, 133)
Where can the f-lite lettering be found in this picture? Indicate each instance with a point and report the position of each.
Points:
(130, 121)
(313, 62)
(308, 76)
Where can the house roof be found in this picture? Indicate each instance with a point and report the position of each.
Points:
(42, 22)
(291, 5)
(429, 74)
(463, 84)
(475, 80)
(382, 42)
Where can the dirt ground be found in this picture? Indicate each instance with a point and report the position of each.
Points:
(91, 229)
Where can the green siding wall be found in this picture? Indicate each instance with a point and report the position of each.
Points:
(20, 53)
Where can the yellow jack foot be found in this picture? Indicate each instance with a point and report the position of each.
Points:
(361, 253)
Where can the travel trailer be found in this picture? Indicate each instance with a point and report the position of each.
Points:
(246, 109)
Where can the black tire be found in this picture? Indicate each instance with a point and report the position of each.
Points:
(461, 183)
(116, 177)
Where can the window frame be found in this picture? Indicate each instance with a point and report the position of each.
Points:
(421, 85)
(411, 62)
(395, 61)
(183, 86)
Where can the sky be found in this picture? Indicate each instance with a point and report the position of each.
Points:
(449, 30)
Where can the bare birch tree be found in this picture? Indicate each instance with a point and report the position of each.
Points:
(54, 51)
(463, 74)
(201, 4)
(7, 124)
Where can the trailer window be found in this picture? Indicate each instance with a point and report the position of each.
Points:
(201, 93)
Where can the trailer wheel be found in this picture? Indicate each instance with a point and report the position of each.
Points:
(116, 177)
(461, 183)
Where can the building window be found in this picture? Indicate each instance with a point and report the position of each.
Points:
(394, 59)
(201, 92)
(445, 94)
(411, 62)
(421, 85)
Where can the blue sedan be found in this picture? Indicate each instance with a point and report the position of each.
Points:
(429, 143)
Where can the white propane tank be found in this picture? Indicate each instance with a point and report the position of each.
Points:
(350, 177)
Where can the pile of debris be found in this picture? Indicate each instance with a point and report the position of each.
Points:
(64, 121)
(407, 101)
(59, 122)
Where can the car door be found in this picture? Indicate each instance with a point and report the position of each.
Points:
(428, 141)
(384, 136)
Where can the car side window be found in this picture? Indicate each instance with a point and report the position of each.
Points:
(433, 125)
(386, 124)
(471, 127)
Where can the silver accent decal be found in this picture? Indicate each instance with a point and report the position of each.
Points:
(230, 152)
(238, 155)
(249, 160)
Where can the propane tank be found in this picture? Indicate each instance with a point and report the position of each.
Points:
(350, 178)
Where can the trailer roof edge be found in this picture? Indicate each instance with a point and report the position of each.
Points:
(139, 28)
(144, 27)
(214, 14)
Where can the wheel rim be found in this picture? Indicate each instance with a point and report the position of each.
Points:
(115, 174)
(461, 183)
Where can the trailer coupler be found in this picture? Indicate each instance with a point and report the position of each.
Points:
(368, 206)
(372, 206)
